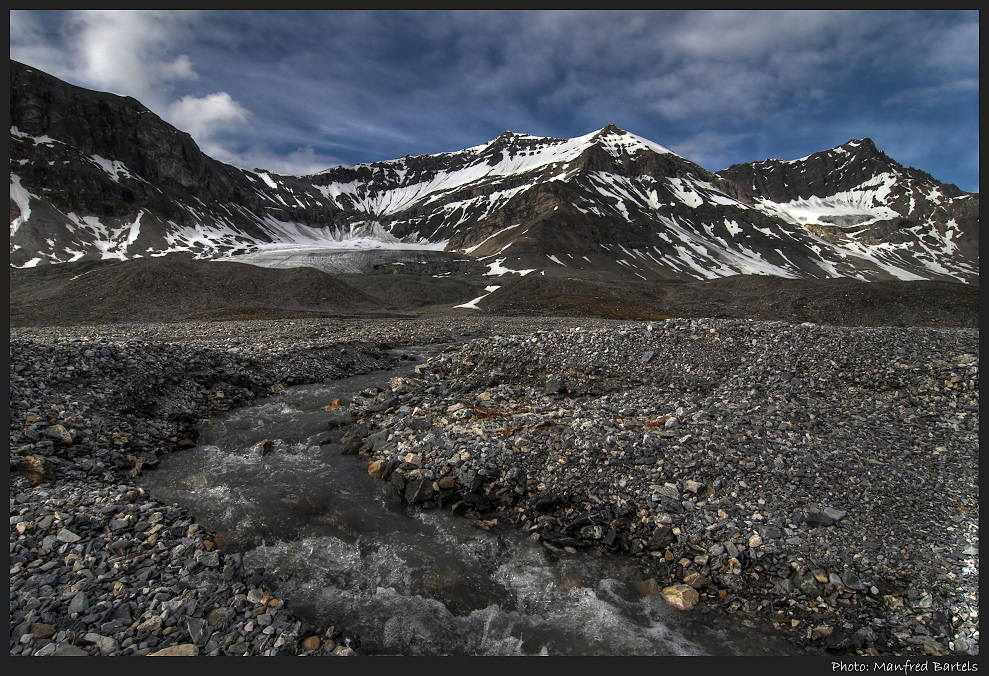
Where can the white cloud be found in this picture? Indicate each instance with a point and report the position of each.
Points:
(303, 160)
(203, 117)
(135, 53)
(130, 52)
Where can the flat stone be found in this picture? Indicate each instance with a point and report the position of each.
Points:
(69, 650)
(180, 650)
(65, 535)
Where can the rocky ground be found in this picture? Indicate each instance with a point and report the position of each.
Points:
(180, 288)
(820, 480)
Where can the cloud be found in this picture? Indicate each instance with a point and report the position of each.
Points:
(129, 52)
(137, 53)
(206, 116)
(301, 161)
(368, 85)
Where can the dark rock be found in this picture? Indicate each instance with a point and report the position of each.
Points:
(548, 502)
(661, 538)
(418, 490)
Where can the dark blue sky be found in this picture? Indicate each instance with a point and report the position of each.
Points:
(296, 92)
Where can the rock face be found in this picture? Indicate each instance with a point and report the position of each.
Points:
(96, 176)
(112, 170)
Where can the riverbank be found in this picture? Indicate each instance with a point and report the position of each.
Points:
(821, 480)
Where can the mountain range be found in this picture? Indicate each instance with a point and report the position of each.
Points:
(96, 176)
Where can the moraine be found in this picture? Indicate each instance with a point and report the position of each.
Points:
(818, 480)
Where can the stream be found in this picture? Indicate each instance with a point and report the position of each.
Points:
(343, 549)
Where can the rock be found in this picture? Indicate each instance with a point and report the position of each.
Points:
(547, 502)
(36, 468)
(418, 490)
(69, 650)
(681, 596)
(78, 604)
(661, 538)
(815, 518)
(310, 643)
(197, 628)
(806, 583)
(554, 386)
(42, 630)
(696, 580)
(65, 535)
(180, 650)
(59, 433)
(376, 469)
(106, 644)
(851, 580)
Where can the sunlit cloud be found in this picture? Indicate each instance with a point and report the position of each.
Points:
(205, 116)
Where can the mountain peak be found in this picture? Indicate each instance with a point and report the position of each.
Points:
(861, 147)
(611, 130)
(864, 143)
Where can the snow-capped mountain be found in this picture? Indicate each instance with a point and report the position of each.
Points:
(858, 198)
(94, 175)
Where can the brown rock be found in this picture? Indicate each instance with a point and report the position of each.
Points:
(310, 643)
(42, 630)
(696, 580)
(180, 650)
(377, 469)
(35, 468)
(681, 596)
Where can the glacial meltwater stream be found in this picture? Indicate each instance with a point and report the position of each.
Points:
(343, 550)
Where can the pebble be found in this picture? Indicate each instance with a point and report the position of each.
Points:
(809, 475)
(98, 567)
(806, 476)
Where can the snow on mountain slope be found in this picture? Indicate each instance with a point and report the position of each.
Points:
(865, 204)
(108, 179)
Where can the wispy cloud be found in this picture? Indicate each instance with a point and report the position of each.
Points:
(366, 85)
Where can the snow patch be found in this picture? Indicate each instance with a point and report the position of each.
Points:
(472, 305)
(496, 269)
(22, 198)
(267, 179)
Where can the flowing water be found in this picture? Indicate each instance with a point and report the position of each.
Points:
(344, 550)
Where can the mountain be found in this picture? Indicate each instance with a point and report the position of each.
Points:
(96, 176)
(857, 197)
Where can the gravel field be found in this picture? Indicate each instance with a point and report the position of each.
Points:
(821, 481)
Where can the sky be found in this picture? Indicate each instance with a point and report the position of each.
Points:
(297, 92)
